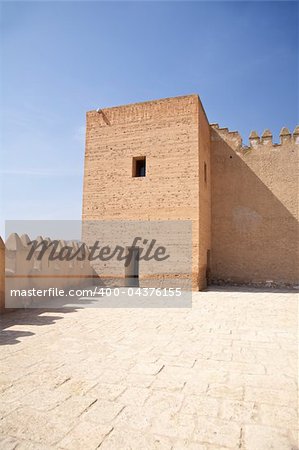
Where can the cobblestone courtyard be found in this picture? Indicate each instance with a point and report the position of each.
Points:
(222, 375)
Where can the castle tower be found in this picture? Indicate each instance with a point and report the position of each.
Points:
(151, 162)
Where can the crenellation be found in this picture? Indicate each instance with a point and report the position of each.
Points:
(254, 139)
(234, 137)
(296, 135)
(13, 242)
(285, 135)
(25, 239)
(266, 138)
(17, 271)
(286, 138)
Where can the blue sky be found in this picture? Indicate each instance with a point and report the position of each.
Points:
(61, 59)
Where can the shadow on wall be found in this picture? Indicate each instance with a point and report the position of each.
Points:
(254, 228)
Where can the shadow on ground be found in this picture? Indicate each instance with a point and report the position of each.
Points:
(48, 313)
(29, 317)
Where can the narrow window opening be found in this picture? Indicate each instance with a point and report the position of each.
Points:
(205, 172)
(139, 166)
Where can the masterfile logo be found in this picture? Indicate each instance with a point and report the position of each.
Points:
(122, 263)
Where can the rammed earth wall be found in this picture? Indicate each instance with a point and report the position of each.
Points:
(254, 208)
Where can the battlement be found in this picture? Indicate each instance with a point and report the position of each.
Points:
(23, 267)
(286, 137)
(266, 139)
(233, 137)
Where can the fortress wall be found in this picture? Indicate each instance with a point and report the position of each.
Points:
(166, 132)
(254, 208)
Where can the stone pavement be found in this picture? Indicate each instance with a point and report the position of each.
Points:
(221, 375)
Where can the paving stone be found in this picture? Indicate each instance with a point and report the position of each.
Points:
(106, 391)
(139, 380)
(200, 405)
(173, 378)
(239, 411)
(135, 418)
(265, 438)
(134, 396)
(28, 424)
(44, 399)
(102, 411)
(85, 435)
(180, 361)
(74, 406)
(147, 368)
(217, 432)
(163, 400)
(15, 392)
(189, 445)
(6, 408)
(279, 416)
(271, 396)
(224, 354)
(224, 390)
(264, 381)
(200, 381)
(29, 445)
(50, 376)
(77, 386)
(124, 440)
(174, 424)
(8, 443)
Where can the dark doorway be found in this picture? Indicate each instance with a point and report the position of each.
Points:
(132, 268)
